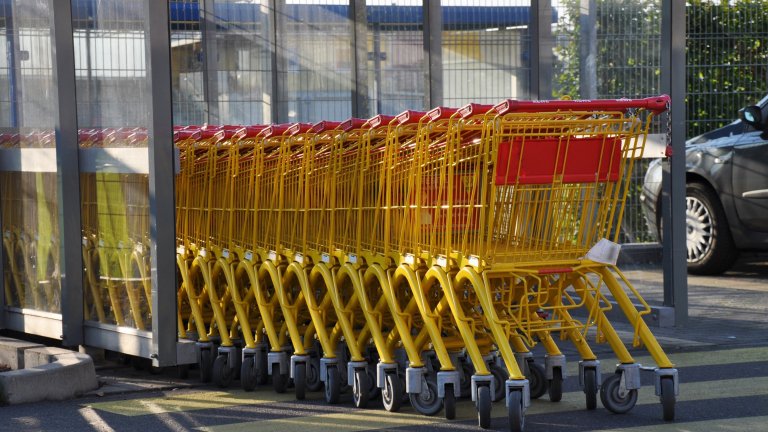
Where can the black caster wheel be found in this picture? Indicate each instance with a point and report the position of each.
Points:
(615, 399)
(392, 393)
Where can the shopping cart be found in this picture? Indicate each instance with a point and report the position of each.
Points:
(530, 189)
(392, 313)
(208, 302)
(235, 259)
(347, 352)
(310, 179)
(30, 231)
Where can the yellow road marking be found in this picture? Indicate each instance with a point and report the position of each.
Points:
(191, 401)
(358, 420)
(689, 359)
(717, 425)
(182, 401)
(362, 420)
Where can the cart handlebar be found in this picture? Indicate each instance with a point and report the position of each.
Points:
(657, 105)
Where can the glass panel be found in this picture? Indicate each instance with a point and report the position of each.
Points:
(486, 51)
(28, 180)
(187, 63)
(112, 101)
(242, 82)
(619, 57)
(396, 56)
(314, 62)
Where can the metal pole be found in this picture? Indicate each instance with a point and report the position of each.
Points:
(587, 50)
(433, 43)
(211, 67)
(68, 168)
(359, 31)
(540, 29)
(673, 65)
(377, 65)
(162, 203)
(11, 95)
(12, 38)
(279, 63)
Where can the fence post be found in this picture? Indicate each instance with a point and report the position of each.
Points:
(68, 166)
(162, 202)
(673, 72)
(433, 42)
(540, 29)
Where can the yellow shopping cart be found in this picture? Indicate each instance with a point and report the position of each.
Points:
(529, 190)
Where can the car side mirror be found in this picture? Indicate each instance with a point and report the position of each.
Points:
(753, 116)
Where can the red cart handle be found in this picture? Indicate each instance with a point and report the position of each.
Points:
(657, 105)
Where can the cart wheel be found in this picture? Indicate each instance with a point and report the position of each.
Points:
(182, 371)
(279, 381)
(300, 380)
(248, 374)
(484, 406)
(515, 411)
(139, 363)
(614, 399)
(556, 385)
(313, 375)
(590, 387)
(449, 402)
(260, 363)
(426, 402)
(332, 385)
(360, 387)
(373, 391)
(537, 379)
(222, 374)
(500, 376)
(668, 398)
(206, 366)
(392, 393)
(466, 380)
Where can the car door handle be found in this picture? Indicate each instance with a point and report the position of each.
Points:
(761, 193)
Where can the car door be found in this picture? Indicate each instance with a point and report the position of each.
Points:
(750, 181)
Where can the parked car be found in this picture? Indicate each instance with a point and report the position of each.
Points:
(726, 192)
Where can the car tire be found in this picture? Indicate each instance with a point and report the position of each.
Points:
(710, 246)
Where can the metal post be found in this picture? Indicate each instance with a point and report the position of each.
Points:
(14, 66)
(68, 167)
(8, 18)
(540, 29)
(587, 50)
(673, 64)
(267, 24)
(433, 43)
(161, 185)
(211, 67)
(377, 65)
(359, 32)
(279, 63)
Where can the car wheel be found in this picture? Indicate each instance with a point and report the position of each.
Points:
(708, 238)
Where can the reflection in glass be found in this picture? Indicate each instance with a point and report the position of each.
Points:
(28, 180)
(112, 105)
(396, 58)
(485, 51)
(314, 62)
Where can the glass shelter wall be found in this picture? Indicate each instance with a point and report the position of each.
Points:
(111, 74)
(29, 197)
(245, 63)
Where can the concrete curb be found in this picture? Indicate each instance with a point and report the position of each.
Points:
(43, 373)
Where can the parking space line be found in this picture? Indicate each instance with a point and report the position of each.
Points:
(191, 401)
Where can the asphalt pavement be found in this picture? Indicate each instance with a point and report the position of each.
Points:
(721, 353)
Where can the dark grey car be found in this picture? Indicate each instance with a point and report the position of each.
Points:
(726, 192)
